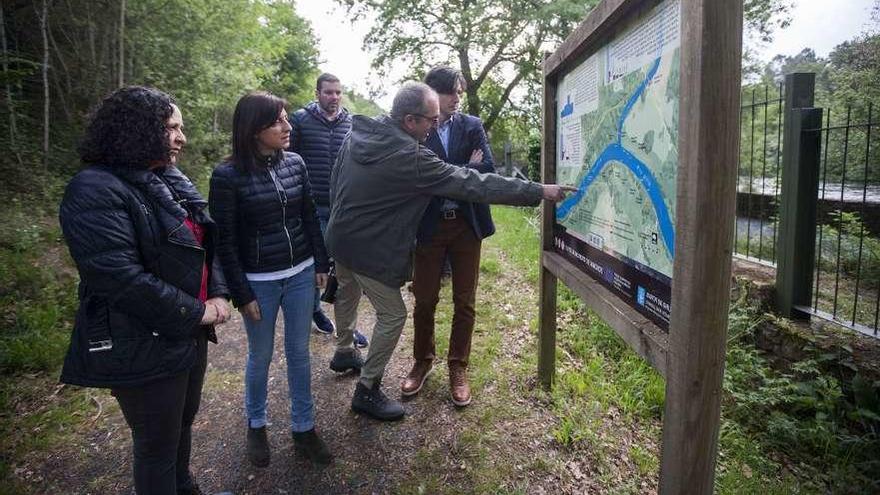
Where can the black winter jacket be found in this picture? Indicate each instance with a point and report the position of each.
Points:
(267, 221)
(140, 274)
(317, 141)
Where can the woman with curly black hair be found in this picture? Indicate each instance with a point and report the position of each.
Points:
(272, 253)
(150, 287)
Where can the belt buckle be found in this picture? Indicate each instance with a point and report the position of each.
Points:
(100, 345)
(449, 215)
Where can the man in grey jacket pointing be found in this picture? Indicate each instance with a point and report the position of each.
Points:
(381, 185)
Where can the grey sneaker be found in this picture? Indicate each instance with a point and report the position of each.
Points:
(346, 360)
(373, 403)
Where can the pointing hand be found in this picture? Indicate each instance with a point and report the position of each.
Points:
(556, 193)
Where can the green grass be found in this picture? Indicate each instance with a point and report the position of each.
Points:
(780, 432)
(37, 304)
(37, 299)
(37, 415)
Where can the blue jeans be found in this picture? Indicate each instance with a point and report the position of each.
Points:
(294, 295)
(323, 218)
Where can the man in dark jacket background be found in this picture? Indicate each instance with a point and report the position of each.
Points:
(382, 183)
(453, 229)
(317, 131)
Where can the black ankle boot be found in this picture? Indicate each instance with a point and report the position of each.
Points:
(258, 446)
(373, 403)
(309, 444)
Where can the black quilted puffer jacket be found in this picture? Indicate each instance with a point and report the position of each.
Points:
(140, 272)
(317, 141)
(267, 220)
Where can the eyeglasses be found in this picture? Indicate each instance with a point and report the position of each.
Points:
(435, 121)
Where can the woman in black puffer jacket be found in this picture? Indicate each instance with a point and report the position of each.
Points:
(272, 254)
(143, 243)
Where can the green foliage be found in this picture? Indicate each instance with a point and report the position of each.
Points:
(206, 53)
(858, 250)
(37, 300)
(361, 105)
(762, 17)
(802, 412)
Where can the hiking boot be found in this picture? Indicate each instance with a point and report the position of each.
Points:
(309, 444)
(258, 446)
(458, 384)
(416, 377)
(360, 340)
(322, 323)
(373, 403)
(345, 360)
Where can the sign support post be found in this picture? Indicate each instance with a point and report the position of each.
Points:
(708, 154)
(547, 311)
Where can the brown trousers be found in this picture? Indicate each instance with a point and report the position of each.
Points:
(456, 238)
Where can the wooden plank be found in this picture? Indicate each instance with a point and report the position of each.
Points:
(643, 336)
(594, 27)
(547, 310)
(604, 22)
(711, 44)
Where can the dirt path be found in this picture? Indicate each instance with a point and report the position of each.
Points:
(502, 442)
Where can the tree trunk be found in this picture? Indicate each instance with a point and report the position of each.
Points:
(10, 104)
(44, 27)
(121, 81)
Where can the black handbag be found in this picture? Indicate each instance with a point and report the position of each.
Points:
(329, 294)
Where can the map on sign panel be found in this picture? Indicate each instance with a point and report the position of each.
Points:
(617, 142)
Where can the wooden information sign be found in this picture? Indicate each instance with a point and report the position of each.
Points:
(641, 114)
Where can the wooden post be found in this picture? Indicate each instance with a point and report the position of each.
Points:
(798, 197)
(711, 46)
(547, 312)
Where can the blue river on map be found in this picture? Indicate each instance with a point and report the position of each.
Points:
(616, 152)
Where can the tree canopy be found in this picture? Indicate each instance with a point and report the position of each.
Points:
(497, 44)
(204, 52)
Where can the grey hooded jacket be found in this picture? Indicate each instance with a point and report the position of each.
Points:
(381, 185)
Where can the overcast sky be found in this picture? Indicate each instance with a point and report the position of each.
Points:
(817, 24)
(820, 25)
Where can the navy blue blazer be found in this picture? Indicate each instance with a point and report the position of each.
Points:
(465, 135)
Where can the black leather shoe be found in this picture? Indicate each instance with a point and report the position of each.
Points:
(347, 360)
(373, 403)
(258, 447)
(309, 444)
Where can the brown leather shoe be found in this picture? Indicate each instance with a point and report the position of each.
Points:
(458, 385)
(416, 378)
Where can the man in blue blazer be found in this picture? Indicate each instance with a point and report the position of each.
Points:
(454, 229)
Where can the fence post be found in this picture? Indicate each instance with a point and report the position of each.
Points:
(796, 247)
(508, 158)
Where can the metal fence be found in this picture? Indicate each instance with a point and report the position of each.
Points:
(761, 125)
(841, 204)
(846, 284)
